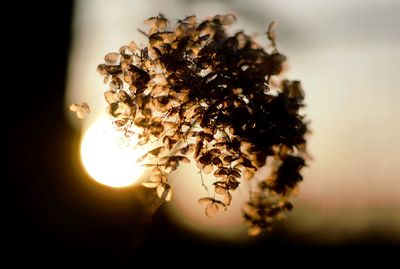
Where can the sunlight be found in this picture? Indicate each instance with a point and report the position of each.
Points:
(108, 156)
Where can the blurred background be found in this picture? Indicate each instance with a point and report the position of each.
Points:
(346, 56)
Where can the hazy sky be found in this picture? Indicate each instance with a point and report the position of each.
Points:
(345, 53)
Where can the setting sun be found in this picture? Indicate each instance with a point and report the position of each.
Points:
(108, 156)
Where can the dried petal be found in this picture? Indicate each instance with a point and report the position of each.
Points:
(155, 152)
(220, 189)
(187, 150)
(217, 161)
(247, 174)
(149, 165)
(271, 34)
(155, 178)
(116, 84)
(220, 205)
(81, 110)
(226, 19)
(132, 46)
(205, 200)
(156, 171)
(142, 157)
(112, 57)
(211, 210)
(208, 168)
(228, 198)
(254, 230)
(183, 159)
(235, 173)
(164, 191)
(111, 97)
(251, 211)
(151, 184)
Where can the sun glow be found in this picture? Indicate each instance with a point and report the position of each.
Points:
(108, 156)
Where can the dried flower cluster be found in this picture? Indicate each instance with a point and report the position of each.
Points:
(196, 91)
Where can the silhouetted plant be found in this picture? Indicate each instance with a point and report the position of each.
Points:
(198, 91)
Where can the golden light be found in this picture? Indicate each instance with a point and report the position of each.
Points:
(108, 156)
(338, 193)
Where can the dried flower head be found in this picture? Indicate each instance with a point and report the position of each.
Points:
(197, 91)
